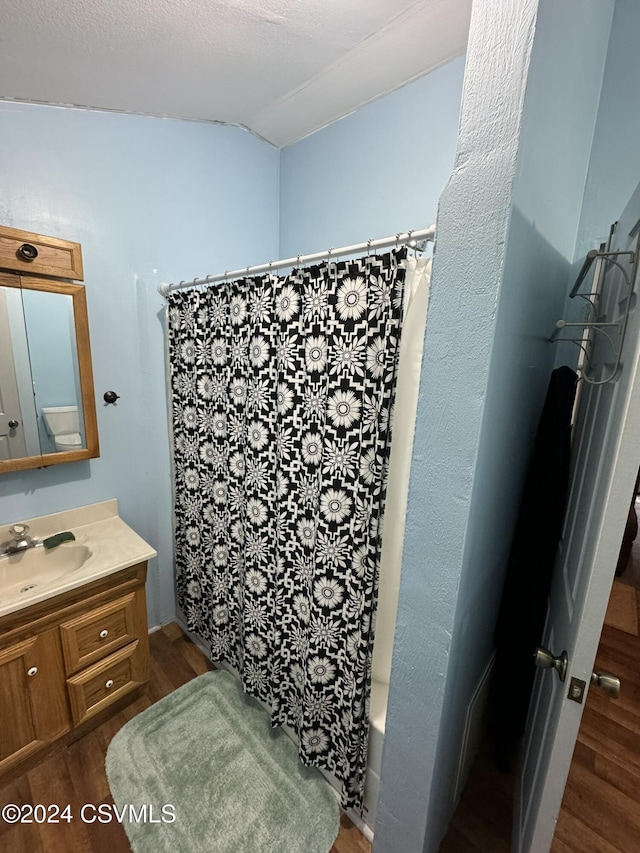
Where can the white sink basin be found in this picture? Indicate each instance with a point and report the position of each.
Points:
(26, 573)
(103, 545)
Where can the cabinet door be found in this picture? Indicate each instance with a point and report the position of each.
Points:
(33, 705)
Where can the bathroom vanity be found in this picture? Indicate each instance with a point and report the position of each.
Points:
(73, 632)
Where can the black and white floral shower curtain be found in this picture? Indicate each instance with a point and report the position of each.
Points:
(282, 392)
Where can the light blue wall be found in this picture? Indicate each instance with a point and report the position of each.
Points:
(376, 172)
(614, 168)
(150, 200)
(614, 165)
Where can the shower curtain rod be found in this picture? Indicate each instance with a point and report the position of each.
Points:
(412, 238)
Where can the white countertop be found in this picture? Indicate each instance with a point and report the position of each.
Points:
(113, 545)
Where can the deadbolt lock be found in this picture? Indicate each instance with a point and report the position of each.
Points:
(604, 680)
(576, 690)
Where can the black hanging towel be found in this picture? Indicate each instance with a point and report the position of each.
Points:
(523, 608)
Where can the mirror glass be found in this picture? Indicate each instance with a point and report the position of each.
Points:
(47, 407)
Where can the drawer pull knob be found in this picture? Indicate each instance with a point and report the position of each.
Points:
(28, 252)
(109, 684)
(32, 670)
(104, 633)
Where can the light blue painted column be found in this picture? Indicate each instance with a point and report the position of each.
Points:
(472, 225)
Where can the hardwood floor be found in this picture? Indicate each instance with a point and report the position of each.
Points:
(600, 810)
(482, 821)
(601, 806)
(76, 775)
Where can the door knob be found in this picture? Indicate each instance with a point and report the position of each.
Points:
(13, 424)
(608, 682)
(543, 659)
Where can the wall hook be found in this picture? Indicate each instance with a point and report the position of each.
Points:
(595, 325)
(110, 397)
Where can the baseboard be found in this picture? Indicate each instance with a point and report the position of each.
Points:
(474, 728)
(195, 639)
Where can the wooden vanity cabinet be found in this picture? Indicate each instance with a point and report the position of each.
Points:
(36, 254)
(33, 702)
(66, 663)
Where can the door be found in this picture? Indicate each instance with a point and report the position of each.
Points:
(12, 441)
(605, 453)
(33, 704)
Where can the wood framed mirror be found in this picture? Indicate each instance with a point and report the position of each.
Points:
(47, 400)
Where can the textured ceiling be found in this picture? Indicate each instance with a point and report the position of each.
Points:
(282, 68)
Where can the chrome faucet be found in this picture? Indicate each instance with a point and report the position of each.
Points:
(20, 541)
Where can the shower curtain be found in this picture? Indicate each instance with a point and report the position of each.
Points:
(282, 394)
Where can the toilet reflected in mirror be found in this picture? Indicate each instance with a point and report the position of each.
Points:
(62, 425)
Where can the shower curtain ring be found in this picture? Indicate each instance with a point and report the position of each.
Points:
(398, 238)
(369, 241)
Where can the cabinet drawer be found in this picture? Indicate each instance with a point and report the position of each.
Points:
(100, 685)
(52, 256)
(88, 638)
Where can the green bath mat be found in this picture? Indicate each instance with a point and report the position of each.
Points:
(208, 755)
